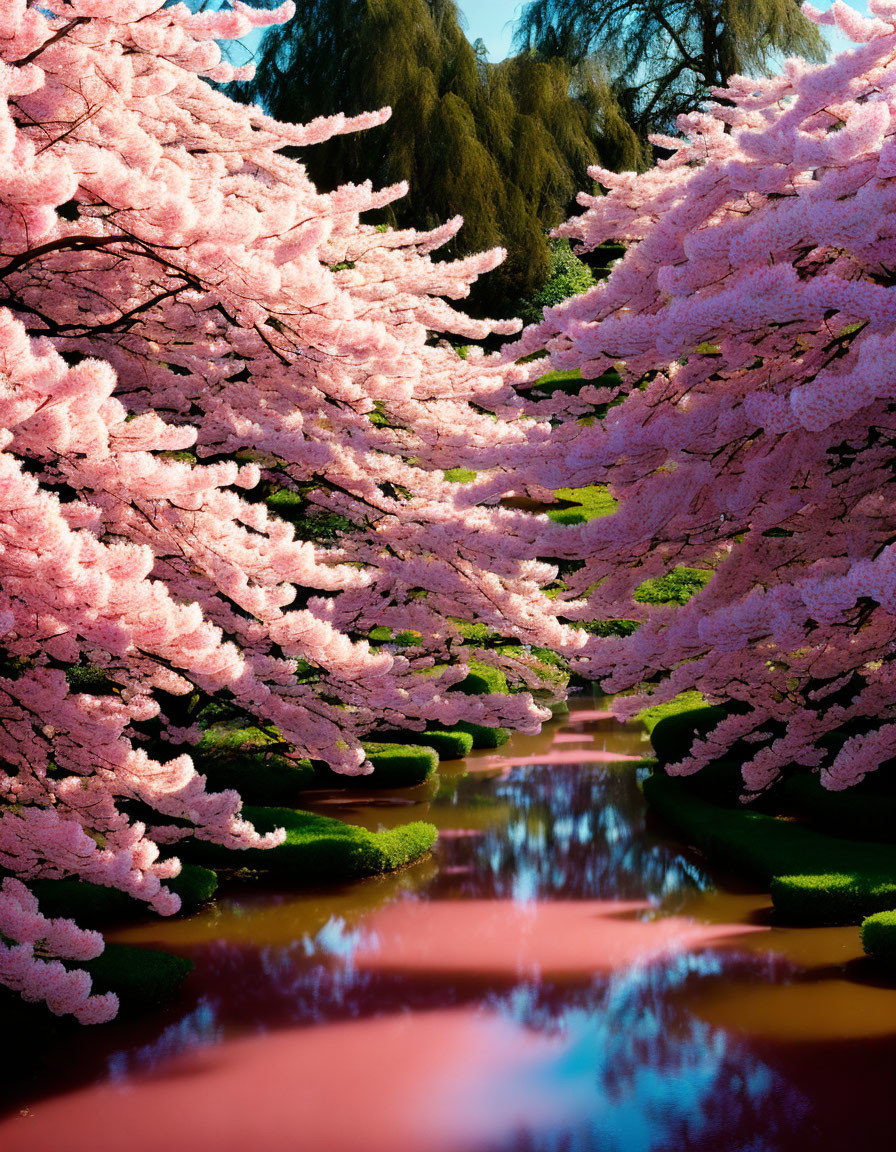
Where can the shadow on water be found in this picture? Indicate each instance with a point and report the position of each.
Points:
(557, 977)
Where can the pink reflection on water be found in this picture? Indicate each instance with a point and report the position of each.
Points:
(549, 757)
(580, 716)
(439, 1081)
(573, 738)
(559, 940)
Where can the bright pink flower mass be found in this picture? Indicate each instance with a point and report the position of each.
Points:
(187, 325)
(752, 322)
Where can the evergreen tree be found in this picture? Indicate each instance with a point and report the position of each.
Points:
(505, 145)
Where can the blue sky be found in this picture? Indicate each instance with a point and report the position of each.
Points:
(493, 21)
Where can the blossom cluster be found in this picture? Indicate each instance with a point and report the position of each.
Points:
(746, 347)
(187, 329)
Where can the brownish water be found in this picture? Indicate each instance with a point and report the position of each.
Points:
(557, 977)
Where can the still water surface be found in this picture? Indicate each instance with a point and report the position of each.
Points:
(558, 977)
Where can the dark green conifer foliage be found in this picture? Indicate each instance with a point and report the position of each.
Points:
(505, 146)
(662, 57)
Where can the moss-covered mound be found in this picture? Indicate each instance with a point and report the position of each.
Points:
(142, 978)
(394, 766)
(481, 680)
(813, 878)
(253, 763)
(319, 850)
(673, 734)
(833, 897)
(92, 905)
(449, 744)
(879, 937)
(397, 765)
(484, 737)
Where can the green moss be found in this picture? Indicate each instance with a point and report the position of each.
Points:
(310, 521)
(93, 904)
(588, 504)
(449, 744)
(483, 736)
(460, 475)
(481, 680)
(195, 885)
(879, 937)
(687, 702)
(380, 634)
(141, 977)
(607, 627)
(825, 876)
(90, 679)
(252, 762)
(287, 504)
(397, 765)
(319, 850)
(676, 587)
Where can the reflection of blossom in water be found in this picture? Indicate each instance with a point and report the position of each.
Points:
(639, 1073)
(569, 830)
(198, 1029)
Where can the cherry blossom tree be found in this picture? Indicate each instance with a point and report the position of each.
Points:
(189, 331)
(745, 349)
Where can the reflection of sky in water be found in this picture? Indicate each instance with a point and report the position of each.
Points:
(631, 1069)
(636, 1071)
(636, 1074)
(567, 831)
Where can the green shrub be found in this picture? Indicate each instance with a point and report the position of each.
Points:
(879, 937)
(831, 874)
(380, 634)
(483, 737)
(90, 679)
(570, 380)
(832, 897)
(319, 850)
(654, 713)
(449, 744)
(253, 763)
(93, 904)
(397, 765)
(569, 276)
(141, 977)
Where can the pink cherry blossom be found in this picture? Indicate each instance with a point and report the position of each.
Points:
(186, 324)
(751, 323)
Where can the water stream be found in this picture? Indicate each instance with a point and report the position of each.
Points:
(559, 976)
